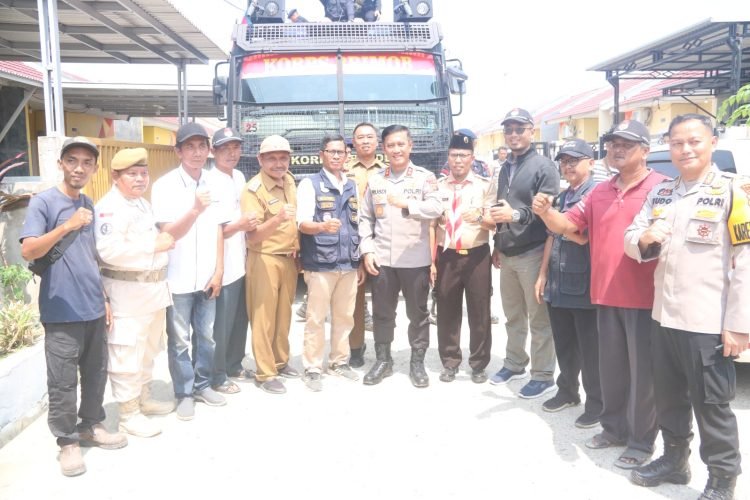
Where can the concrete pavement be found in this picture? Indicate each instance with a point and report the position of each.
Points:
(455, 440)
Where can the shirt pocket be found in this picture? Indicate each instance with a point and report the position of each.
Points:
(574, 269)
(326, 248)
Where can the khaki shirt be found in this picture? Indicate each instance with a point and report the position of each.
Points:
(697, 287)
(264, 196)
(125, 240)
(399, 237)
(361, 174)
(476, 194)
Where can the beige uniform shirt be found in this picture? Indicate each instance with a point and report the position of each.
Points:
(266, 197)
(125, 240)
(399, 237)
(697, 288)
(475, 194)
(361, 174)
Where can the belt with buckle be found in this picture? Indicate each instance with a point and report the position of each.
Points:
(464, 251)
(135, 276)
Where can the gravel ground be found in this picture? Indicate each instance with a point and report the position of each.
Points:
(456, 440)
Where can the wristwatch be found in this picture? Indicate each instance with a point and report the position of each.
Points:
(516, 216)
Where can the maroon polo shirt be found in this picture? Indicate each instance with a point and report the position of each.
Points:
(616, 279)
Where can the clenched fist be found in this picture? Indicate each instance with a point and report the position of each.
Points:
(81, 217)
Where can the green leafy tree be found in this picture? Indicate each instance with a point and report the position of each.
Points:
(736, 109)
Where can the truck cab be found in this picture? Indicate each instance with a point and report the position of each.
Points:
(305, 80)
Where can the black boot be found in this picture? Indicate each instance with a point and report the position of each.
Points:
(357, 358)
(417, 374)
(383, 366)
(672, 467)
(719, 487)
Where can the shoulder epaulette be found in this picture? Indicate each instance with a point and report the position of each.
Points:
(254, 184)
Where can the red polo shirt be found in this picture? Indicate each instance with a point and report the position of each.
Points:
(616, 279)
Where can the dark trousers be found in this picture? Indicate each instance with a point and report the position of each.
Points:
(690, 371)
(415, 285)
(230, 331)
(357, 335)
(577, 348)
(458, 274)
(629, 413)
(70, 347)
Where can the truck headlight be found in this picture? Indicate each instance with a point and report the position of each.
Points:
(423, 8)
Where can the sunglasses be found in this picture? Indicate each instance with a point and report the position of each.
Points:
(515, 130)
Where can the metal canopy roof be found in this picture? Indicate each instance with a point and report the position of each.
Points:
(91, 31)
(709, 58)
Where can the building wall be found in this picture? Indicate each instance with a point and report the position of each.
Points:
(158, 135)
(87, 125)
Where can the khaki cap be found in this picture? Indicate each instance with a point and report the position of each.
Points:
(129, 157)
(274, 143)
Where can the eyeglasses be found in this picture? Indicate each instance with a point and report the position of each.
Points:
(570, 162)
(515, 130)
(335, 152)
(458, 156)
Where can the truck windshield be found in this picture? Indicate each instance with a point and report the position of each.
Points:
(369, 77)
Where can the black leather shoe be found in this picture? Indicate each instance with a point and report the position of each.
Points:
(417, 373)
(672, 467)
(448, 374)
(478, 376)
(357, 358)
(719, 488)
(383, 366)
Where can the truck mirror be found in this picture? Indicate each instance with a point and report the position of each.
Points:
(220, 90)
(456, 80)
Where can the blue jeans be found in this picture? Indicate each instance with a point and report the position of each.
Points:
(190, 310)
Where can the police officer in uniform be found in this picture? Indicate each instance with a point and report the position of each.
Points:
(702, 281)
(399, 204)
(328, 220)
(133, 256)
(272, 252)
(463, 261)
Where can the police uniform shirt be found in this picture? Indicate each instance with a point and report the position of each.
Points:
(125, 240)
(701, 281)
(399, 237)
(234, 246)
(476, 194)
(192, 262)
(266, 197)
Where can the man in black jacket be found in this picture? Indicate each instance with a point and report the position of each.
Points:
(339, 10)
(519, 246)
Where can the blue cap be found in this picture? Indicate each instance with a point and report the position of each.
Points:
(468, 133)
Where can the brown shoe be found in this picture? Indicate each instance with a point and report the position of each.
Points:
(71, 460)
(99, 436)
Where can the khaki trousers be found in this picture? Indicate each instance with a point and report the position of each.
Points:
(357, 336)
(270, 284)
(133, 344)
(333, 291)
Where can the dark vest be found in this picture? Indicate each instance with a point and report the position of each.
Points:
(332, 252)
(569, 271)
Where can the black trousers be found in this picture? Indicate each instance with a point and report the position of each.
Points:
(458, 275)
(629, 413)
(577, 348)
(230, 331)
(690, 371)
(70, 347)
(415, 285)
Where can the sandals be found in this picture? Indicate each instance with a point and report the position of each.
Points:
(600, 441)
(228, 387)
(243, 375)
(632, 458)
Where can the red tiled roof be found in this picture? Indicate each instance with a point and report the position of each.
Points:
(20, 69)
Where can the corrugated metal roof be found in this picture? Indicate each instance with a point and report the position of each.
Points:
(129, 31)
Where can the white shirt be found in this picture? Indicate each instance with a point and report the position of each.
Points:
(306, 195)
(234, 246)
(192, 262)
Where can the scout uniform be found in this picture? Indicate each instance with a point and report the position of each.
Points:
(463, 266)
(273, 282)
(134, 277)
(702, 282)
